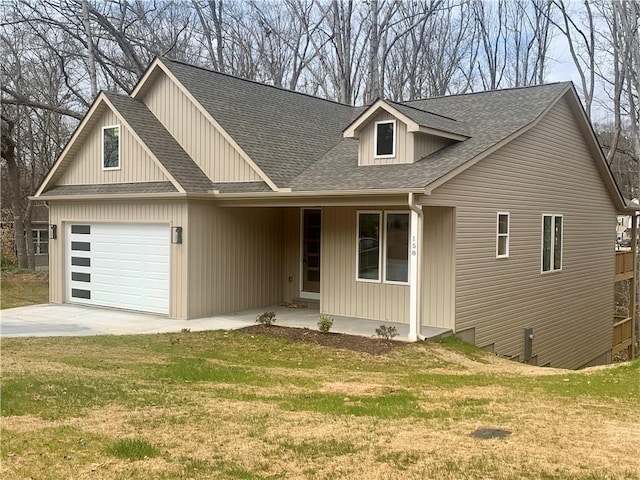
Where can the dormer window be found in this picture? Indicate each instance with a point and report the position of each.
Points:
(111, 147)
(385, 139)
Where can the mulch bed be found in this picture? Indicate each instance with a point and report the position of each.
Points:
(374, 346)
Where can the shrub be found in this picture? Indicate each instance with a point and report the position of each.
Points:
(386, 333)
(266, 318)
(325, 323)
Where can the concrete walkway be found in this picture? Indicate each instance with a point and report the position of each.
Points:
(52, 320)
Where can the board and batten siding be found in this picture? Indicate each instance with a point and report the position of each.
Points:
(340, 293)
(205, 144)
(236, 258)
(547, 170)
(438, 267)
(404, 143)
(136, 165)
(171, 213)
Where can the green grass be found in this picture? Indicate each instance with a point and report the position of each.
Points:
(243, 406)
(132, 449)
(20, 288)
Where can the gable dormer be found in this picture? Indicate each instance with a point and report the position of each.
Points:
(393, 133)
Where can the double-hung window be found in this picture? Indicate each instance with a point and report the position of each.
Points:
(383, 247)
(502, 235)
(385, 139)
(111, 147)
(552, 228)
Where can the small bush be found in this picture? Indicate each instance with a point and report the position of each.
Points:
(325, 323)
(132, 448)
(266, 318)
(386, 333)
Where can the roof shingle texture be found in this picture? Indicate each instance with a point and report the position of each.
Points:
(111, 189)
(161, 143)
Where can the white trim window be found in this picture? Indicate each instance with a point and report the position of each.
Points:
(396, 247)
(552, 238)
(382, 248)
(111, 147)
(502, 235)
(384, 139)
(368, 242)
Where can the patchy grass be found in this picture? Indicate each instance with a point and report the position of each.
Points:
(19, 288)
(231, 405)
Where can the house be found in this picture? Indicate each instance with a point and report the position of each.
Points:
(485, 213)
(39, 234)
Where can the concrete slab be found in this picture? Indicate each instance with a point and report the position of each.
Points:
(77, 320)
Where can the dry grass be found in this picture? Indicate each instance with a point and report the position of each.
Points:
(18, 289)
(227, 405)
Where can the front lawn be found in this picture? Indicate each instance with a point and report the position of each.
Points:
(247, 406)
(20, 288)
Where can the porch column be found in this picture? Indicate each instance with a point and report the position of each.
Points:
(415, 273)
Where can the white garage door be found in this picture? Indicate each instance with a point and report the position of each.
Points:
(119, 265)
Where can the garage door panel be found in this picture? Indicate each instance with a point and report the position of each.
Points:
(119, 265)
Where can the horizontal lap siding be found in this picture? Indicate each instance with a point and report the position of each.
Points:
(215, 155)
(341, 294)
(171, 213)
(547, 170)
(236, 258)
(85, 168)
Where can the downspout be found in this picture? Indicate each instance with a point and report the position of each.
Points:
(415, 270)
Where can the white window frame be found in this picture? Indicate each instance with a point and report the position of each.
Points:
(38, 242)
(384, 249)
(107, 127)
(380, 240)
(375, 139)
(552, 268)
(505, 235)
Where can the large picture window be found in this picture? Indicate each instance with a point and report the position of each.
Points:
(111, 147)
(552, 228)
(385, 139)
(383, 247)
(502, 235)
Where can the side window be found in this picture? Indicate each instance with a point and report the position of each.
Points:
(552, 231)
(502, 235)
(368, 260)
(396, 258)
(111, 147)
(385, 139)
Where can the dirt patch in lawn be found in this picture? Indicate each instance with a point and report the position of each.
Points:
(356, 343)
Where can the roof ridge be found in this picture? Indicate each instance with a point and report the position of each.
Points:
(425, 111)
(495, 90)
(255, 82)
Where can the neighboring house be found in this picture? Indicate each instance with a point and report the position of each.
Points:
(624, 226)
(39, 233)
(202, 193)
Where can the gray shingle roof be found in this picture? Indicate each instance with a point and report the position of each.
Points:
(490, 117)
(241, 187)
(432, 120)
(284, 132)
(111, 189)
(166, 149)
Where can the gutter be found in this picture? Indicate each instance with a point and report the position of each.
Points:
(415, 272)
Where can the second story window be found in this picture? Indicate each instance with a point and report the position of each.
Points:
(385, 139)
(111, 147)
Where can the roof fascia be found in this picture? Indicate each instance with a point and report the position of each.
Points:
(457, 171)
(111, 196)
(142, 86)
(159, 64)
(171, 178)
(594, 146)
(99, 100)
(352, 129)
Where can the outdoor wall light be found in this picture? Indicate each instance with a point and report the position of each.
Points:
(176, 235)
(53, 231)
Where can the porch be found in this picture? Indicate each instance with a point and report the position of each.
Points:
(623, 334)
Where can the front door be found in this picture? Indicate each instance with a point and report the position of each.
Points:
(311, 221)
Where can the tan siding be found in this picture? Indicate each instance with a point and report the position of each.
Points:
(547, 170)
(404, 143)
(341, 294)
(174, 214)
(195, 133)
(236, 258)
(438, 267)
(135, 164)
(291, 253)
(427, 144)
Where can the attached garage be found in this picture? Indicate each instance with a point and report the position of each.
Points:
(123, 265)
